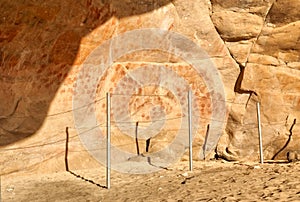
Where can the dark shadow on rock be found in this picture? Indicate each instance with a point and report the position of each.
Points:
(39, 42)
(151, 164)
(87, 180)
(287, 142)
(67, 163)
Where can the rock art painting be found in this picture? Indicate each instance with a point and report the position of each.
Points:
(143, 93)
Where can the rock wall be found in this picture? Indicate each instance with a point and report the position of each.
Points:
(263, 39)
(44, 45)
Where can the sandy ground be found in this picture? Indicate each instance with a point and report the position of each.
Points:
(209, 181)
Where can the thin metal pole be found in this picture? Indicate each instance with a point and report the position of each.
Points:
(260, 136)
(108, 141)
(190, 130)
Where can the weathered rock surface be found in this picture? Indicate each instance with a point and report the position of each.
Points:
(255, 45)
(270, 64)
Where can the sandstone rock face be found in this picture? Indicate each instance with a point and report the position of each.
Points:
(254, 45)
(270, 64)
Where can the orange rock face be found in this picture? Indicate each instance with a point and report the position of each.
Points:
(250, 53)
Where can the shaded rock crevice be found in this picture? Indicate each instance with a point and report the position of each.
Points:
(238, 84)
(287, 142)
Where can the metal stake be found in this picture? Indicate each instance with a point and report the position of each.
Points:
(260, 136)
(108, 141)
(190, 130)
